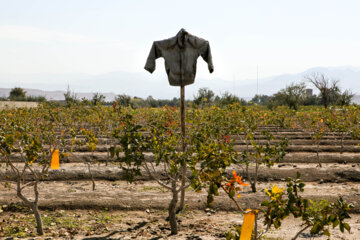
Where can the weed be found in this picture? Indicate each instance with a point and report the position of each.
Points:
(153, 188)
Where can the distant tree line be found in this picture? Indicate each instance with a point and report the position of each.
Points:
(293, 96)
(204, 97)
(19, 94)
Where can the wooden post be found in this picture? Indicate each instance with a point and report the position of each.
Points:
(182, 112)
(183, 147)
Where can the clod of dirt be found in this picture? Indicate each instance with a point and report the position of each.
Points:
(308, 235)
(193, 238)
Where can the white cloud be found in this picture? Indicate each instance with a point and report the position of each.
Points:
(32, 34)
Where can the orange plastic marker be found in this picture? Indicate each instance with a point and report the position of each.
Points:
(248, 225)
(55, 160)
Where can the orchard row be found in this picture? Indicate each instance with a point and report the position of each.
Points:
(34, 134)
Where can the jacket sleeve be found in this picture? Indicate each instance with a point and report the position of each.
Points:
(155, 53)
(205, 53)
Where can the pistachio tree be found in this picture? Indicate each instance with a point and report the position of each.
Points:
(29, 135)
(256, 153)
(316, 215)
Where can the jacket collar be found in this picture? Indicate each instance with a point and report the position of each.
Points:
(182, 37)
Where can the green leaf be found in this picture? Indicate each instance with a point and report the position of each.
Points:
(347, 227)
(341, 226)
(277, 223)
(326, 232)
(316, 228)
(332, 218)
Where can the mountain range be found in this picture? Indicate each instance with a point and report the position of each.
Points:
(53, 86)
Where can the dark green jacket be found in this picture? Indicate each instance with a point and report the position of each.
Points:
(180, 53)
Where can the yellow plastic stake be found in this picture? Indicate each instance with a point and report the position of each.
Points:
(248, 225)
(55, 160)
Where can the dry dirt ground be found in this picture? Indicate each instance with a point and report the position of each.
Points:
(118, 210)
(149, 224)
(138, 211)
(14, 104)
(142, 195)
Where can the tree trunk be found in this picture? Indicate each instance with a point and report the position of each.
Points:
(253, 187)
(172, 207)
(298, 234)
(39, 227)
(342, 144)
(253, 184)
(317, 155)
(32, 205)
(325, 100)
(91, 175)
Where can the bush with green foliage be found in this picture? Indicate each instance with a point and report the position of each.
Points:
(316, 215)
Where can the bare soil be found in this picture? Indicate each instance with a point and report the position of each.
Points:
(333, 172)
(142, 195)
(148, 224)
(119, 210)
(15, 104)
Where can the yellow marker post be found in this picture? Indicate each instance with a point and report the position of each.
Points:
(248, 224)
(55, 160)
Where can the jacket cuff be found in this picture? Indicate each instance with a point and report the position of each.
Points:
(149, 69)
(211, 69)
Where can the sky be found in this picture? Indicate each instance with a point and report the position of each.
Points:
(248, 38)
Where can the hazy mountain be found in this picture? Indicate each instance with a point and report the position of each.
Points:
(144, 84)
(349, 78)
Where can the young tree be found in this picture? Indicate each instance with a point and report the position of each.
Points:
(70, 97)
(344, 99)
(210, 140)
(315, 124)
(228, 98)
(98, 98)
(318, 215)
(17, 93)
(123, 100)
(163, 141)
(260, 154)
(205, 96)
(292, 96)
(257, 153)
(33, 140)
(329, 89)
(151, 102)
(260, 99)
